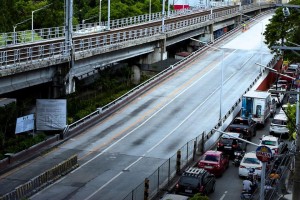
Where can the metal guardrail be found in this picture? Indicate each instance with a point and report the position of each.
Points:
(26, 36)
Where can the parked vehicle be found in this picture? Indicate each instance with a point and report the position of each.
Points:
(250, 161)
(256, 105)
(278, 126)
(246, 126)
(274, 143)
(195, 180)
(229, 144)
(216, 162)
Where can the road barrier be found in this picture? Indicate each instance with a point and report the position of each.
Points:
(37, 183)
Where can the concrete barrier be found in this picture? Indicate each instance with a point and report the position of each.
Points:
(37, 183)
(14, 160)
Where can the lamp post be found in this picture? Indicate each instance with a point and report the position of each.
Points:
(100, 12)
(15, 26)
(163, 17)
(222, 63)
(108, 15)
(150, 10)
(32, 33)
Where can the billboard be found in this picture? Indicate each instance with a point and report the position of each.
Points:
(51, 114)
(25, 123)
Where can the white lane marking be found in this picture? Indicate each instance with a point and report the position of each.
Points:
(223, 196)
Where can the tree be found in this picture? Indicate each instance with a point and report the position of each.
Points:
(284, 31)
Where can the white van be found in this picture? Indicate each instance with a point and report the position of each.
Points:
(278, 126)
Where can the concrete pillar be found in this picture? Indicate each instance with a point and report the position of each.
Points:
(136, 74)
(70, 85)
(159, 54)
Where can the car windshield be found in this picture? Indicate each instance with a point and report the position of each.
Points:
(251, 161)
(226, 141)
(240, 121)
(278, 122)
(189, 181)
(212, 158)
(268, 142)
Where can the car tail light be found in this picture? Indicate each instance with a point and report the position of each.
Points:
(220, 144)
(177, 185)
(201, 189)
(234, 146)
(200, 164)
(241, 166)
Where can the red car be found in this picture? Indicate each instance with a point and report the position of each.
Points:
(216, 162)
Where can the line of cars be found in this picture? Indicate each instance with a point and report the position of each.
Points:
(202, 177)
(213, 163)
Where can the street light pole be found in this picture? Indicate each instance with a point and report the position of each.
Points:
(32, 33)
(222, 76)
(100, 12)
(163, 17)
(150, 10)
(15, 26)
(108, 17)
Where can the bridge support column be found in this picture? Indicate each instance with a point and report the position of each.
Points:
(136, 74)
(70, 85)
(159, 54)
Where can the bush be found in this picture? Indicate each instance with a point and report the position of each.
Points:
(198, 196)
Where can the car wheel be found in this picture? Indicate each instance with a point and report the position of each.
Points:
(213, 188)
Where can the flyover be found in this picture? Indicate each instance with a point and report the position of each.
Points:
(27, 64)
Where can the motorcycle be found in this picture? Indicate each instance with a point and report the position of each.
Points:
(246, 195)
(238, 156)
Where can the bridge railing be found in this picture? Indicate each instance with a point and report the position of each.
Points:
(29, 36)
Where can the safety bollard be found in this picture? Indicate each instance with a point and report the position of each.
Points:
(194, 151)
(146, 189)
(178, 162)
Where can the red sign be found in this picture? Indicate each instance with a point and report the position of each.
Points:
(263, 153)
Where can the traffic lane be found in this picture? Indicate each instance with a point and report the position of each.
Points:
(109, 176)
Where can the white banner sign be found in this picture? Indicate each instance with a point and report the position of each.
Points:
(51, 114)
(24, 124)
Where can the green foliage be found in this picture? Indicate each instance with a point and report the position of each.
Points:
(283, 30)
(291, 122)
(198, 196)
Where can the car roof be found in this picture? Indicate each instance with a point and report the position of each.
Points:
(174, 197)
(250, 154)
(229, 134)
(280, 116)
(269, 137)
(213, 152)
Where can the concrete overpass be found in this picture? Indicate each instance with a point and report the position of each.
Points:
(29, 64)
